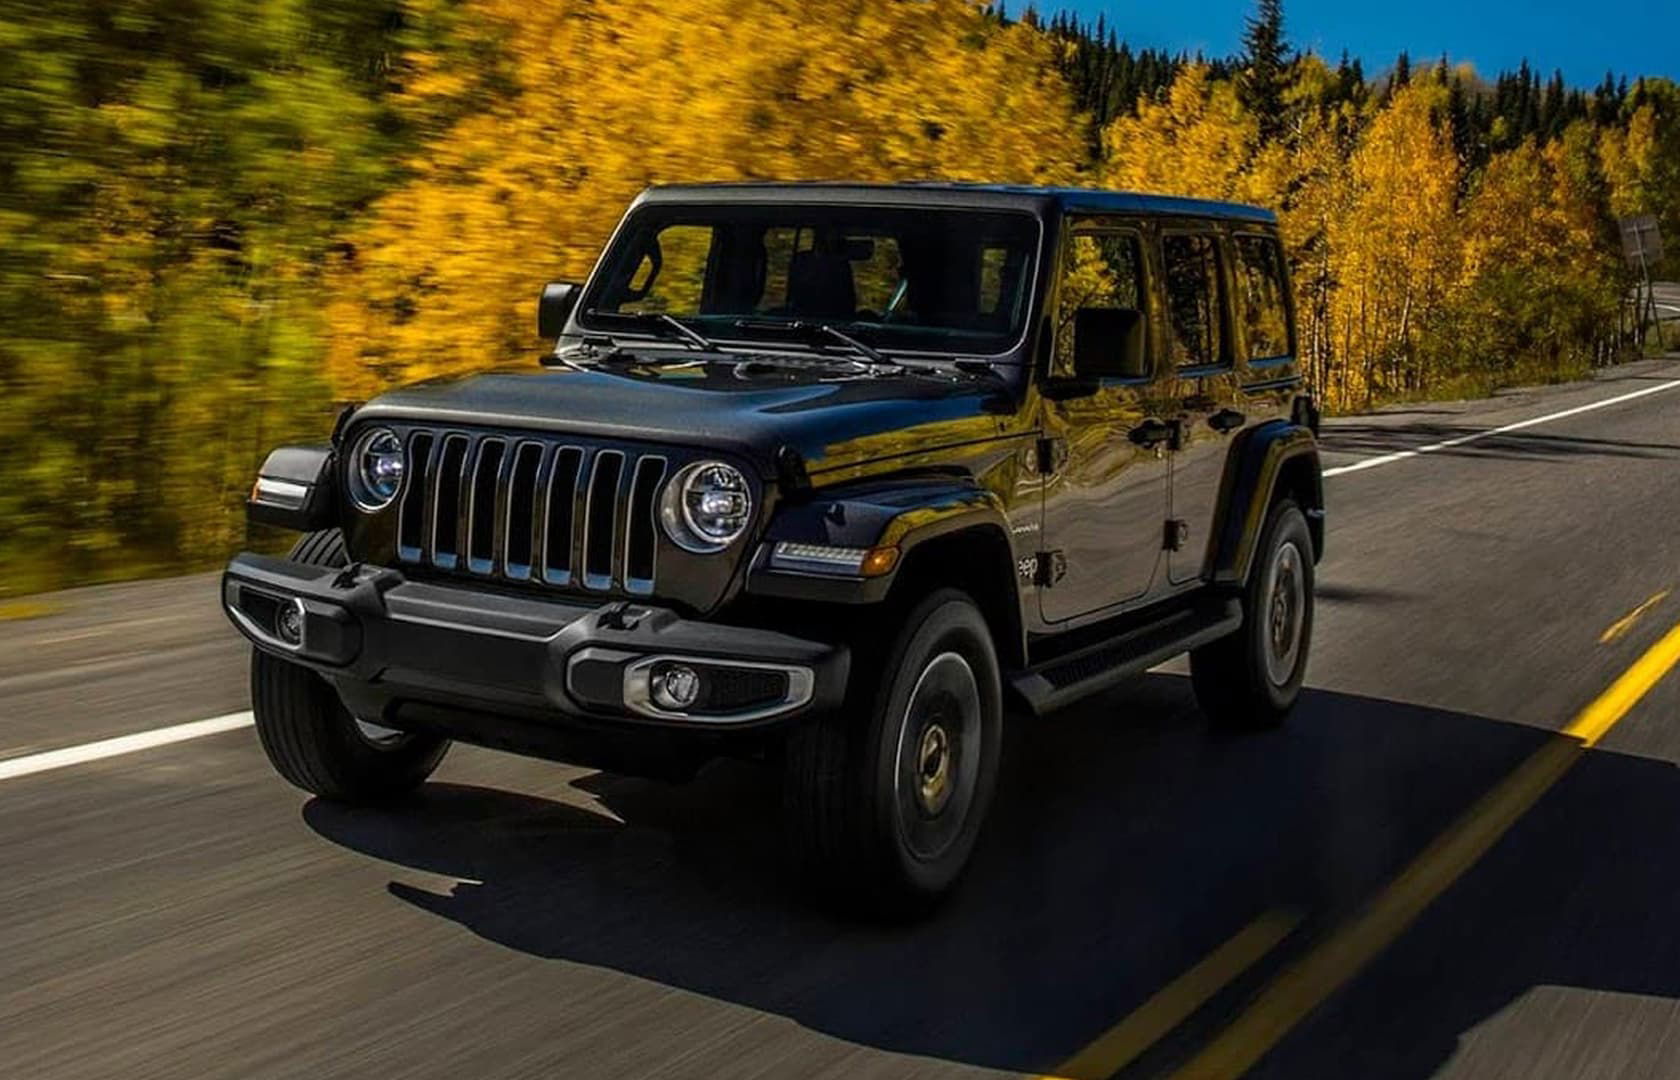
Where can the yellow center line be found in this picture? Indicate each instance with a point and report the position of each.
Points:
(1625, 623)
(1312, 979)
(1594, 721)
(1172, 1004)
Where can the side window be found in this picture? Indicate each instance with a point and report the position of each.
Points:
(1191, 262)
(672, 272)
(1100, 270)
(1263, 310)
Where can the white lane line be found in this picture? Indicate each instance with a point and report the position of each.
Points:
(12, 768)
(1389, 459)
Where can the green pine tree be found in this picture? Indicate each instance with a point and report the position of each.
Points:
(1266, 63)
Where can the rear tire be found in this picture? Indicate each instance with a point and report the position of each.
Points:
(884, 800)
(1250, 680)
(312, 740)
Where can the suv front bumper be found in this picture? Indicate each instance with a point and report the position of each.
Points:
(387, 643)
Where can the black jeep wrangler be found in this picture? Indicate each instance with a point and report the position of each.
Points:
(832, 475)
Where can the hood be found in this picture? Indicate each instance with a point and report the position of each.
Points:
(831, 412)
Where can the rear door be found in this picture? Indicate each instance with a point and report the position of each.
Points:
(1263, 312)
(1243, 375)
(1201, 352)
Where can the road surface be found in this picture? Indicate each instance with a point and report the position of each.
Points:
(1417, 877)
(1667, 296)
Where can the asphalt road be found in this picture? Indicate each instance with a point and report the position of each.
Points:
(1668, 299)
(180, 912)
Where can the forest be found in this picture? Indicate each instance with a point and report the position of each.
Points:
(220, 220)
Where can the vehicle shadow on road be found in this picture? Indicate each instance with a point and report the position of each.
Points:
(1126, 845)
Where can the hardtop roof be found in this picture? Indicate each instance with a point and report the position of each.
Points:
(1066, 199)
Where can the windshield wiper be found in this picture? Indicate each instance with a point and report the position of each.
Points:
(658, 321)
(869, 351)
(799, 326)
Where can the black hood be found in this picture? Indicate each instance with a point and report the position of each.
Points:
(833, 413)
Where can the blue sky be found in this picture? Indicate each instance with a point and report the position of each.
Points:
(1629, 36)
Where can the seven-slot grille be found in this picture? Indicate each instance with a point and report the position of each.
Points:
(518, 508)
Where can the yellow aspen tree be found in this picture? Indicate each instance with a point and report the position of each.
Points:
(1538, 281)
(1629, 158)
(1395, 252)
(1199, 141)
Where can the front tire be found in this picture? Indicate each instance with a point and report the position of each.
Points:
(1251, 679)
(884, 800)
(312, 740)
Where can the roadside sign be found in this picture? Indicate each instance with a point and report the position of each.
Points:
(1641, 240)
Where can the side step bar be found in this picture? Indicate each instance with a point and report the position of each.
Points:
(1061, 682)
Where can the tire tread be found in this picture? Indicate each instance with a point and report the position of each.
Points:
(1227, 675)
(306, 732)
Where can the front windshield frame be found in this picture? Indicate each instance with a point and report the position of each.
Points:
(664, 214)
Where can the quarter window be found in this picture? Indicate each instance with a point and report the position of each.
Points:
(1099, 270)
(1264, 312)
(1193, 298)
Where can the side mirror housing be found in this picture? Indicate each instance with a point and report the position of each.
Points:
(554, 307)
(294, 489)
(1109, 342)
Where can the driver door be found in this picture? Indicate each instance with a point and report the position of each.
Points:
(1106, 493)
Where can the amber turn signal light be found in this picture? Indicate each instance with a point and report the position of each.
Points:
(878, 561)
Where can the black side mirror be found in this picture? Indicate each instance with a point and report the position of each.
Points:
(554, 307)
(1109, 342)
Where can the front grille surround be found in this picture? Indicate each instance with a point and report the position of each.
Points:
(544, 511)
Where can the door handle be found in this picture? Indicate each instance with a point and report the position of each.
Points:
(1151, 433)
(1227, 420)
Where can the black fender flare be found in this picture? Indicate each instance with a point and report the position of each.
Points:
(905, 516)
(295, 489)
(1260, 458)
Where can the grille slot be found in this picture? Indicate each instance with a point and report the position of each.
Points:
(446, 502)
(411, 530)
(520, 522)
(642, 538)
(527, 509)
(600, 519)
(481, 504)
(561, 511)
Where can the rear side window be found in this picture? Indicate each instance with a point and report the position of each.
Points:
(1100, 270)
(1191, 263)
(1262, 308)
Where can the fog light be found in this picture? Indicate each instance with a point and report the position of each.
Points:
(675, 687)
(288, 622)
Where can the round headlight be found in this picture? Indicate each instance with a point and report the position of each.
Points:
(376, 469)
(706, 506)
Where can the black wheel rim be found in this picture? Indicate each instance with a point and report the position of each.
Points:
(938, 759)
(1284, 605)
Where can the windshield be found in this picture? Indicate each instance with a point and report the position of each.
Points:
(908, 279)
